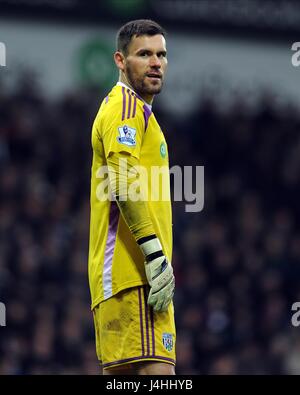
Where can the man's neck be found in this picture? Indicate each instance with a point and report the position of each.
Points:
(148, 100)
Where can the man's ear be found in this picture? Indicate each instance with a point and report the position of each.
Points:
(119, 59)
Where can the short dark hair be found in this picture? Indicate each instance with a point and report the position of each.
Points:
(139, 27)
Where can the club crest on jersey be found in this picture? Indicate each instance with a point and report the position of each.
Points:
(127, 135)
(167, 340)
(163, 150)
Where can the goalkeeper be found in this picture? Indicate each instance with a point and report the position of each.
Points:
(130, 249)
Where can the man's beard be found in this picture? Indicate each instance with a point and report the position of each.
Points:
(139, 85)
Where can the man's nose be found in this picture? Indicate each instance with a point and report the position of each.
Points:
(155, 61)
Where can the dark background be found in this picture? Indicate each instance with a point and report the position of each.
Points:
(237, 262)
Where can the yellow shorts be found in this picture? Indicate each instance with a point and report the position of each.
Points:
(128, 330)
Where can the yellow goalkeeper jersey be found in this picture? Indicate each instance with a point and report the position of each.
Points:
(125, 123)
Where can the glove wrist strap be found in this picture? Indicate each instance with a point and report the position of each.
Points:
(150, 247)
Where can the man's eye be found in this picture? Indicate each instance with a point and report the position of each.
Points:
(144, 54)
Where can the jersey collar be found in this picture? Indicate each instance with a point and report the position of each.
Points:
(127, 87)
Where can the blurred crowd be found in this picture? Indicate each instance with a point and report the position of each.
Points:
(237, 262)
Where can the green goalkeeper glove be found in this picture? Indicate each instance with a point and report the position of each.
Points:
(159, 273)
